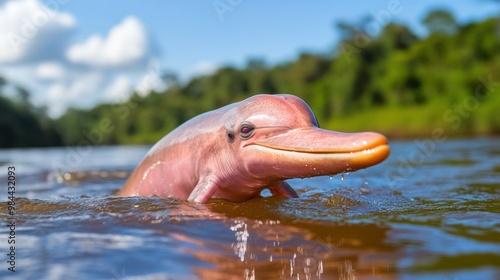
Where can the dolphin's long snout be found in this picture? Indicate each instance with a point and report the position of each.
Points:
(313, 151)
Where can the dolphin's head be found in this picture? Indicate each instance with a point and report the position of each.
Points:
(276, 137)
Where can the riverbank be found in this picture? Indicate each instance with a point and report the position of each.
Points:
(419, 121)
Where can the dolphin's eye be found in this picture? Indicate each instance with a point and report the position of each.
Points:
(246, 131)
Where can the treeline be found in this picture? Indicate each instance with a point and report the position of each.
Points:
(393, 82)
(23, 125)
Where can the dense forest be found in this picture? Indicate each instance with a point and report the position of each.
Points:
(23, 125)
(393, 82)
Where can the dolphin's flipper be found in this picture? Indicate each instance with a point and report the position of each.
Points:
(203, 191)
(283, 189)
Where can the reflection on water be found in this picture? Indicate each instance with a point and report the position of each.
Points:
(437, 218)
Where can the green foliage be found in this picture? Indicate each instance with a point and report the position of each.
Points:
(440, 21)
(21, 125)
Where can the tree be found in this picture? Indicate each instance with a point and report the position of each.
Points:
(440, 22)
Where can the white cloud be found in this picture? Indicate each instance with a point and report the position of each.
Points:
(150, 80)
(50, 71)
(204, 68)
(31, 31)
(126, 44)
(79, 92)
(118, 89)
(56, 95)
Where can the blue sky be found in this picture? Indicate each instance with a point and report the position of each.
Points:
(74, 60)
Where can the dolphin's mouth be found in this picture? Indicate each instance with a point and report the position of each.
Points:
(317, 140)
(365, 147)
(330, 151)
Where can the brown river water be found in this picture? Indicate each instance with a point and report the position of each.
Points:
(430, 211)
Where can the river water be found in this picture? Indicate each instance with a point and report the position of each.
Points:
(431, 210)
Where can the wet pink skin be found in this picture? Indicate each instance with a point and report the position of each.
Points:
(239, 150)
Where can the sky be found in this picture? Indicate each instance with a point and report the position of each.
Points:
(70, 53)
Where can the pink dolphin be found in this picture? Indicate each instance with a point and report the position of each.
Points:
(239, 150)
